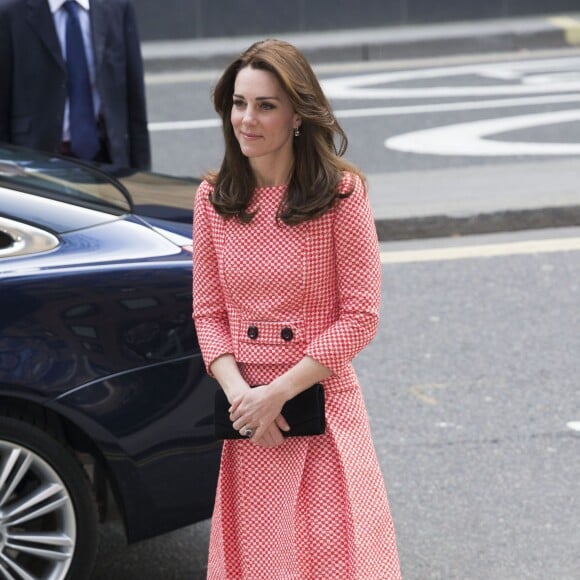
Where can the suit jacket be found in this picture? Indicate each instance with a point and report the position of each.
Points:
(270, 294)
(33, 78)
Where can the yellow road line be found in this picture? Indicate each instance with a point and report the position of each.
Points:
(423, 392)
(481, 251)
(571, 27)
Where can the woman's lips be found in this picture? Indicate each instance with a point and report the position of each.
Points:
(250, 136)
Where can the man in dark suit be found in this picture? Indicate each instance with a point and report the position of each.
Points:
(35, 78)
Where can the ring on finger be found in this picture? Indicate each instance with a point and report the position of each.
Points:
(246, 431)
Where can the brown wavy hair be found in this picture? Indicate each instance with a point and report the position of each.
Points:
(318, 163)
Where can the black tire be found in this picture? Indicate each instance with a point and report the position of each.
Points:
(36, 465)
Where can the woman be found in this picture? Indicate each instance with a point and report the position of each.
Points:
(286, 293)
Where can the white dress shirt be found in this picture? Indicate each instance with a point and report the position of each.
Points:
(60, 16)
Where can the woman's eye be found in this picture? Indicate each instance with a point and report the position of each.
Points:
(238, 103)
(267, 106)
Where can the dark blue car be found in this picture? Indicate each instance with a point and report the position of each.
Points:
(104, 399)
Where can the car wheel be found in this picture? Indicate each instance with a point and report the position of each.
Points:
(48, 515)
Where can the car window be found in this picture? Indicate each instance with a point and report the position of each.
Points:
(60, 179)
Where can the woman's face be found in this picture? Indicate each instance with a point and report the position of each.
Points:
(262, 117)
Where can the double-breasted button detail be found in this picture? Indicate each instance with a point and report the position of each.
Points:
(257, 340)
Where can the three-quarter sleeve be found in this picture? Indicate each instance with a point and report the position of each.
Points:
(209, 307)
(358, 273)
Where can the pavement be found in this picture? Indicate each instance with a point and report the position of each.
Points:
(459, 201)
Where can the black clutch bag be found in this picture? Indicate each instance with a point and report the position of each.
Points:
(304, 413)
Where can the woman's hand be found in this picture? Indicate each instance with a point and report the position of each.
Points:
(272, 436)
(259, 409)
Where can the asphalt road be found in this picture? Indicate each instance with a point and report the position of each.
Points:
(479, 365)
(473, 397)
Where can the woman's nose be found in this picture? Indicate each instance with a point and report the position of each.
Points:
(249, 115)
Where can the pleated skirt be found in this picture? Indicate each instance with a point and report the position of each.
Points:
(314, 508)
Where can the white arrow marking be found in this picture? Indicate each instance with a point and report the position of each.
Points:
(468, 138)
(360, 87)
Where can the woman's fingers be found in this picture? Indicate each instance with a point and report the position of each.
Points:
(258, 411)
(282, 423)
(269, 437)
(255, 407)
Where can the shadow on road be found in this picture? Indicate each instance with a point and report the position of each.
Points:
(180, 555)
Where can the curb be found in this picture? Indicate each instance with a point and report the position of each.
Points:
(439, 226)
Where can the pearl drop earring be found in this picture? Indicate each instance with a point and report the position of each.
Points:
(296, 131)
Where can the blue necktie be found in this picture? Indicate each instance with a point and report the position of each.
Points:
(84, 136)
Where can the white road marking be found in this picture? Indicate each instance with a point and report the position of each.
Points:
(390, 111)
(185, 125)
(481, 251)
(468, 138)
(361, 86)
(574, 425)
(462, 106)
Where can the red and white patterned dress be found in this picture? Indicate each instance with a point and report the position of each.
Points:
(314, 508)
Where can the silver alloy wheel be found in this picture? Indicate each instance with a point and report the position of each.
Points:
(37, 518)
